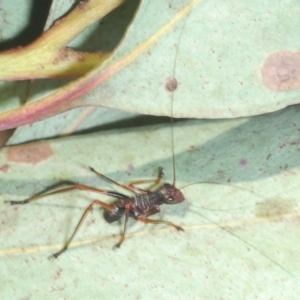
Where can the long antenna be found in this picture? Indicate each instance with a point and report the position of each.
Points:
(173, 152)
(171, 86)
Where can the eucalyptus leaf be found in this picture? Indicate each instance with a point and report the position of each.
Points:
(241, 227)
(219, 53)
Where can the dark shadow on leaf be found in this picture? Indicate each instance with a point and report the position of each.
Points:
(263, 146)
(34, 27)
(110, 30)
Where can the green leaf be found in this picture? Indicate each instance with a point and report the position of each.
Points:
(220, 52)
(241, 235)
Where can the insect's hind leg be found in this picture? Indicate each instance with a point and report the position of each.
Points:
(73, 187)
(88, 209)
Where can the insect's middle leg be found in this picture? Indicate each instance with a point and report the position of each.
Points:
(112, 181)
(155, 181)
(88, 209)
(131, 187)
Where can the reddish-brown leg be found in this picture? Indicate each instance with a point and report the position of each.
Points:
(122, 238)
(73, 187)
(112, 181)
(155, 182)
(144, 218)
(131, 186)
(88, 209)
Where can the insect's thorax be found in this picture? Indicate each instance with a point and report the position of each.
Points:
(146, 200)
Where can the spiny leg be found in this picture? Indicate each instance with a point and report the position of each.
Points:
(88, 209)
(112, 181)
(131, 186)
(74, 187)
(122, 238)
(144, 218)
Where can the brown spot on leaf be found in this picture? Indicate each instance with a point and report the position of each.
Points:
(243, 162)
(32, 153)
(4, 168)
(275, 207)
(68, 54)
(79, 56)
(281, 71)
(171, 84)
(58, 274)
(62, 55)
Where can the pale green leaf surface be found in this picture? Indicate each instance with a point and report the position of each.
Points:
(258, 260)
(215, 49)
(215, 52)
(13, 21)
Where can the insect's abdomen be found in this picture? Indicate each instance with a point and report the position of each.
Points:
(112, 216)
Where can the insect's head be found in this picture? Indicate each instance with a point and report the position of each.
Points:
(172, 195)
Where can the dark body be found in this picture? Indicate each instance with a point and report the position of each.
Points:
(144, 203)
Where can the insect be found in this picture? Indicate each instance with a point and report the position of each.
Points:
(143, 204)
